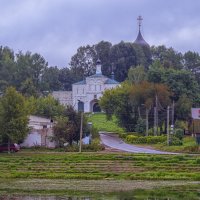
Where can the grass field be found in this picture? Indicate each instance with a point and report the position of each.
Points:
(44, 173)
(100, 122)
(99, 166)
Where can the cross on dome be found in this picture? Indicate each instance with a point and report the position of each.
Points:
(139, 21)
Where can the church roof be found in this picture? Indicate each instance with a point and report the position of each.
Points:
(140, 40)
(97, 76)
(111, 81)
(83, 82)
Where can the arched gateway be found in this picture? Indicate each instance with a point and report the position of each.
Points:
(96, 107)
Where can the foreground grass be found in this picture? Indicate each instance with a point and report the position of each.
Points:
(89, 187)
(189, 146)
(99, 166)
(100, 122)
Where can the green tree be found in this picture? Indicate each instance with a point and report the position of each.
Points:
(136, 74)
(48, 107)
(116, 102)
(29, 66)
(191, 60)
(183, 108)
(50, 79)
(168, 57)
(67, 128)
(13, 116)
(7, 67)
(123, 56)
(179, 81)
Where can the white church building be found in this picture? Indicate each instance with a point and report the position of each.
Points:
(86, 93)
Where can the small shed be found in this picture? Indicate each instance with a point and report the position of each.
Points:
(41, 132)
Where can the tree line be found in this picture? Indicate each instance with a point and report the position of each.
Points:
(146, 73)
(144, 91)
(30, 74)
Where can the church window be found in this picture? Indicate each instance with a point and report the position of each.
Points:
(77, 90)
(95, 88)
(83, 90)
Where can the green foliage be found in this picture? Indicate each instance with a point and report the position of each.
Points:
(168, 57)
(13, 116)
(179, 133)
(125, 102)
(183, 107)
(67, 128)
(94, 146)
(140, 126)
(47, 107)
(175, 141)
(136, 74)
(116, 102)
(145, 139)
(181, 82)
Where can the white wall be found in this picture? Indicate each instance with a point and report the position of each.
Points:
(32, 139)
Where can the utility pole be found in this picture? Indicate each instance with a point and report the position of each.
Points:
(156, 117)
(172, 117)
(147, 121)
(156, 114)
(81, 133)
(167, 125)
(154, 132)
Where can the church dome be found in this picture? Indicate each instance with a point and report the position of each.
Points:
(140, 40)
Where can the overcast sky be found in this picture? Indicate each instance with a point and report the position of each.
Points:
(56, 28)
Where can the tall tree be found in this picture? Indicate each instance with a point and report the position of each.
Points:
(136, 74)
(67, 128)
(13, 116)
(168, 57)
(7, 67)
(123, 56)
(29, 66)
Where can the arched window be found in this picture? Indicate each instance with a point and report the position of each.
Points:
(96, 108)
(80, 106)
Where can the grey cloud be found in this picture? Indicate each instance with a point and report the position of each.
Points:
(56, 28)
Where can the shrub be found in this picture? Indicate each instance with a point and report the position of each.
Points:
(156, 139)
(94, 146)
(140, 126)
(179, 133)
(94, 132)
(123, 135)
(145, 139)
(131, 138)
(176, 141)
(72, 148)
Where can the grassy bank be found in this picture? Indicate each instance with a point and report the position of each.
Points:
(100, 122)
(99, 166)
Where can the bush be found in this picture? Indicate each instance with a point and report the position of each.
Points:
(179, 133)
(94, 132)
(72, 148)
(145, 139)
(123, 135)
(94, 146)
(156, 139)
(176, 141)
(131, 138)
(140, 126)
